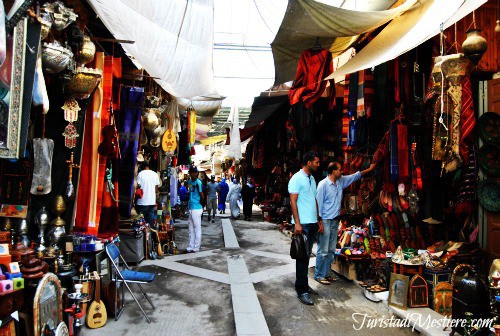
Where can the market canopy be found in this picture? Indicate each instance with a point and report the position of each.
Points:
(336, 28)
(407, 31)
(263, 108)
(173, 40)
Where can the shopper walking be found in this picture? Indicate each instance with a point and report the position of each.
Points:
(247, 195)
(196, 196)
(329, 198)
(302, 189)
(233, 196)
(148, 181)
(223, 190)
(184, 197)
(212, 188)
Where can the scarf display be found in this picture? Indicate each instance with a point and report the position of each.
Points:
(308, 85)
(393, 153)
(89, 163)
(107, 209)
(403, 156)
(467, 119)
(129, 128)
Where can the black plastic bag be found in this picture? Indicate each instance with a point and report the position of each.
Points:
(298, 249)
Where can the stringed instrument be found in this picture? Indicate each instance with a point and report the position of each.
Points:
(109, 144)
(169, 139)
(96, 314)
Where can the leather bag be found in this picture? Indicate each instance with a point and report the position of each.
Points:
(298, 249)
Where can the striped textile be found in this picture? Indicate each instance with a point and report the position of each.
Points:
(360, 107)
(403, 156)
(369, 91)
(308, 85)
(345, 112)
(393, 153)
(467, 119)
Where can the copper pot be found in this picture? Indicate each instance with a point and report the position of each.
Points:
(84, 82)
(474, 45)
(87, 51)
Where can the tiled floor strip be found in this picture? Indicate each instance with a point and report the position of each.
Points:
(248, 315)
(230, 240)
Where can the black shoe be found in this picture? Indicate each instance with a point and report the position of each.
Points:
(208, 219)
(306, 299)
(313, 291)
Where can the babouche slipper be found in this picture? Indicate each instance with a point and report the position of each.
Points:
(323, 281)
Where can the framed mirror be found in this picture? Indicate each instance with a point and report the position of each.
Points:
(16, 88)
(12, 98)
(47, 304)
(398, 291)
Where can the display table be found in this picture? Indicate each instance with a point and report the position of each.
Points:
(345, 265)
(407, 269)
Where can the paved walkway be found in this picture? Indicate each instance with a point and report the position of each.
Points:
(240, 283)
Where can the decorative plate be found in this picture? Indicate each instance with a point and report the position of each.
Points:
(488, 193)
(489, 160)
(489, 127)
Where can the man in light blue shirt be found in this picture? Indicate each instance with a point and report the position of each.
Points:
(302, 189)
(329, 198)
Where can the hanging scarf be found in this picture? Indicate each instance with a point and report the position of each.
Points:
(467, 119)
(308, 85)
(403, 156)
(360, 108)
(129, 128)
(393, 153)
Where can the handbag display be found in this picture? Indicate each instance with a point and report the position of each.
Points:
(298, 249)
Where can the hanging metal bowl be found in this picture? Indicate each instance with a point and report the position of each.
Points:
(46, 25)
(87, 51)
(84, 82)
(55, 57)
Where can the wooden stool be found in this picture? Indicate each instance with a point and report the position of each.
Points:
(405, 269)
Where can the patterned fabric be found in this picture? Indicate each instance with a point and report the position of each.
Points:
(393, 153)
(369, 91)
(403, 156)
(345, 111)
(308, 85)
(129, 129)
(360, 108)
(467, 119)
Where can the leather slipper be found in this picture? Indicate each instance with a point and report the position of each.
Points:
(322, 281)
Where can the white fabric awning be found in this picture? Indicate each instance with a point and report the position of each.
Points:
(337, 28)
(173, 40)
(407, 31)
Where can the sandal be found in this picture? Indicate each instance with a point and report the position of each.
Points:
(331, 279)
(322, 281)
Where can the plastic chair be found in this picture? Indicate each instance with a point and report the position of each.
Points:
(124, 277)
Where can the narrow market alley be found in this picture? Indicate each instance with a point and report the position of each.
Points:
(241, 283)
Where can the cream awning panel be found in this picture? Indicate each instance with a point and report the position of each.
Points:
(336, 27)
(407, 31)
(173, 40)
